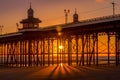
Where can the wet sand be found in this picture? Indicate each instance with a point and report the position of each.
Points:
(61, 72)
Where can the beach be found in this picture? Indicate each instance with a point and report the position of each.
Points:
(61, 72)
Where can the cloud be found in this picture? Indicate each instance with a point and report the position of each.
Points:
(100, 0)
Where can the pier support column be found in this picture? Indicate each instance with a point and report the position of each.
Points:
(108, 48)
(57, 52)
(117, 43)
(29, 52)
(97, 62)
(82, 54)
(77, 49)
(69, 50)
(43, 52)
(52, 52)
(37, 52)
(48, 51)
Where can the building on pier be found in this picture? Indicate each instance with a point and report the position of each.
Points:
(75, 43)
(75, 17)
(30, 22)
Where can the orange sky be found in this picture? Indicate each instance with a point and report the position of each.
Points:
(51, 12)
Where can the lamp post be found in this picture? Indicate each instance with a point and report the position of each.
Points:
(66, 15)
(113, 4)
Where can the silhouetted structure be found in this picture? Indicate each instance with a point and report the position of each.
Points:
(75, 17)
(66, 15)
(30, 22)
(73, 43)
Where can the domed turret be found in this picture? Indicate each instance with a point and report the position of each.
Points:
(30, 12)
(31, 22)
(75, 17)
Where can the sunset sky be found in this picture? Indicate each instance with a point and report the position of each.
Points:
(51, 12)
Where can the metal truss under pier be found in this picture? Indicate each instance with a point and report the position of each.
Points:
(73, 44)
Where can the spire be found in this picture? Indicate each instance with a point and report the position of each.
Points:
(30, 4)
(30, 12)
(75, 16)
(75, 11)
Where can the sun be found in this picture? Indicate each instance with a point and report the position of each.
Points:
(61, 47)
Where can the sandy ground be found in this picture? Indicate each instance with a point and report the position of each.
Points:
(62, 72)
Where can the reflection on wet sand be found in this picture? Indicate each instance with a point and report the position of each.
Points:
(61, 72)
